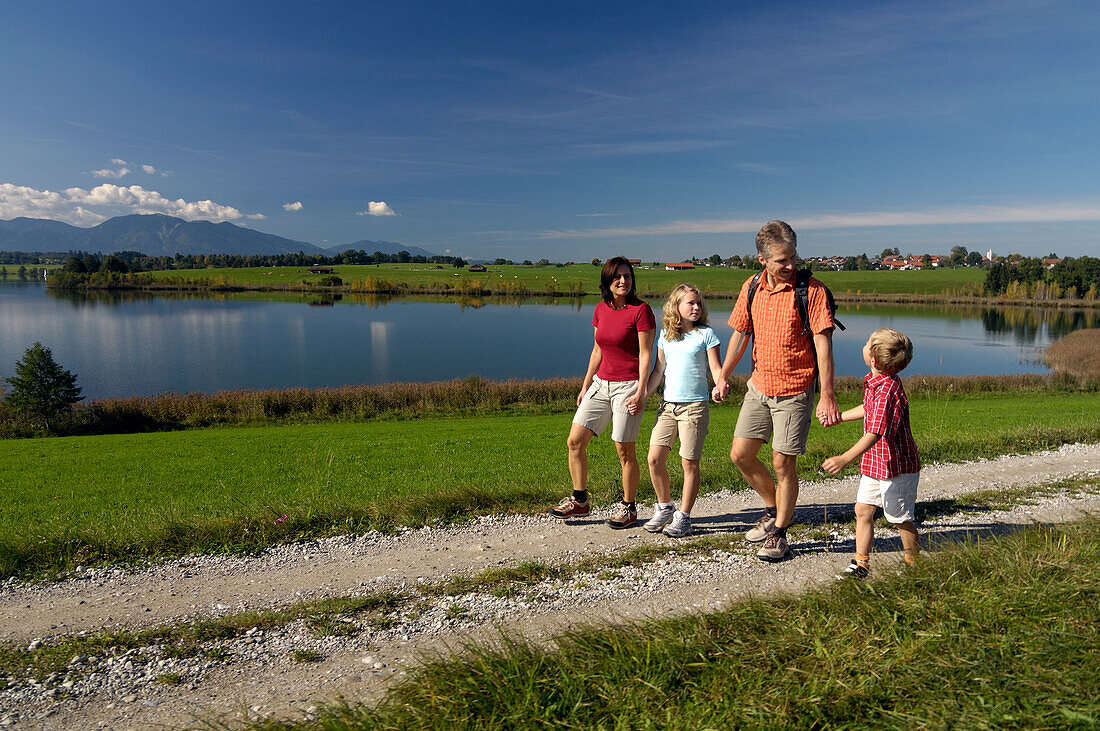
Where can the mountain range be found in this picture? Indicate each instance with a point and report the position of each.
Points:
(160, 235)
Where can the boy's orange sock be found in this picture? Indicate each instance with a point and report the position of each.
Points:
(910, 558)
(864, 561)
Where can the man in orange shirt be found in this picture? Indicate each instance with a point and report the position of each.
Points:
(786, 362)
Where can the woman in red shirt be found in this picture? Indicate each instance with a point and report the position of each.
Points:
(613, 390)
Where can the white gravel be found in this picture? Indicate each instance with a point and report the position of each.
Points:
(256, 675)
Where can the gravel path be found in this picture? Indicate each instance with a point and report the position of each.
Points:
(256, 675)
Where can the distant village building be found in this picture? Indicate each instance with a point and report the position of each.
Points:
(477, 268)
(320, 270)
(678, 266)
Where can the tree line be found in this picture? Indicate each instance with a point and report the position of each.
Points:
(1028, 278)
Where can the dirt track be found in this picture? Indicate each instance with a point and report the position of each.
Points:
(257, 677)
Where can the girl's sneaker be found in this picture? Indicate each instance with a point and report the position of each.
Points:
(661, 518)
(680, 527)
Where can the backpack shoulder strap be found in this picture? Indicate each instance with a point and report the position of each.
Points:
(802, 300)
(753, 284)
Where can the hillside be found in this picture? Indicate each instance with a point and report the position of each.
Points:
(160, 235)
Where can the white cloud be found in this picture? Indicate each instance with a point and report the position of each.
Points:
(295, 206)
(117, 161)
(148, 169)
(377, 208)
(1041, 213)
(20, 200)
(72, 206)
(109, 173)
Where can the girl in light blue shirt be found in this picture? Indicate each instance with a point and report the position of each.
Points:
(686, 349)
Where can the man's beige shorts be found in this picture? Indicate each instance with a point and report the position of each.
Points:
(787, 418)
(689, 421)
(605, 402)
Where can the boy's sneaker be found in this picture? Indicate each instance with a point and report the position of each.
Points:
(661, 518)
(569, 508)
(761, 530)
(855, 571)
(681, 525)
(623, 517)
(775, 549)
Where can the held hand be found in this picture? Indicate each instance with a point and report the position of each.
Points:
(827, 412)
(833, 465)
(722, 389)
(580, 396)
(716, 395)
(635, 404)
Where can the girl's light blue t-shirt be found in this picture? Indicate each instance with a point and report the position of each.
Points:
(686, 365)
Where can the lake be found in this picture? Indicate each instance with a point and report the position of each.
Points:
(124, 344)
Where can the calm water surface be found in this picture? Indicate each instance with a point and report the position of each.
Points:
(122, 345)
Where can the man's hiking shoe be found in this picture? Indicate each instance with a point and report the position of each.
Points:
(680, 527)
(854, 571)
(623, 517)
(569, 508)
(661, 518)
(761, 530)
(775, 549)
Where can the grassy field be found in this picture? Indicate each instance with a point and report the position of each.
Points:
(575, 279)
(1000, 634)
(83, 500)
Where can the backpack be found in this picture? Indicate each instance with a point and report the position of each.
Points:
(802, 302)
(801, 299)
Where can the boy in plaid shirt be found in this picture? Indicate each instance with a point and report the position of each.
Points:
(890, 464)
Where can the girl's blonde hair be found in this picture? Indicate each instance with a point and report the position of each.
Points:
(673, 323)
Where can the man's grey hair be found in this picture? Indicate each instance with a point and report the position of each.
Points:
(774, 235)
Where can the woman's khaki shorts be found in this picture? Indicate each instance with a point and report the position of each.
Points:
(605, 402)
(785, 417)
(690, 421)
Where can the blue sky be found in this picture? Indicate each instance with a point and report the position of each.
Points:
(566, 130)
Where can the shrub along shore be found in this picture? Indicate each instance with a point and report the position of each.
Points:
(83, 500)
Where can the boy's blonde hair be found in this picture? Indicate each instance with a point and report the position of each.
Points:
(673, 323)
(891, 350)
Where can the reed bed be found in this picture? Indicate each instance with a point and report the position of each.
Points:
(1077, 354)
(471, 395)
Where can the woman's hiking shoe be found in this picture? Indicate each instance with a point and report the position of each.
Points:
(661, 518)
(775, 549)
(623, 517)
(680, 527)
(569, 508)
(855, 571)
(761, 530)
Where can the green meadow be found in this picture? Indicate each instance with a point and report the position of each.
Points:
(123, 497)
(570, 279)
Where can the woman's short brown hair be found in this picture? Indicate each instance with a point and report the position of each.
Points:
(608, 273)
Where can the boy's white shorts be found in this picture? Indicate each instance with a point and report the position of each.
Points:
(897, 496)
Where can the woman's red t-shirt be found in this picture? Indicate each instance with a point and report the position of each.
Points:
(617, 335)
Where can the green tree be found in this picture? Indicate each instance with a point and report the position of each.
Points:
(715, 259)
(926, 261)
(41, 390)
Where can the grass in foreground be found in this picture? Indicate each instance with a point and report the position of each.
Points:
(1001, 633)
(89, 500)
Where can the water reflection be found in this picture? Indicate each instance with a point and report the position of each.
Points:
(136, 343)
